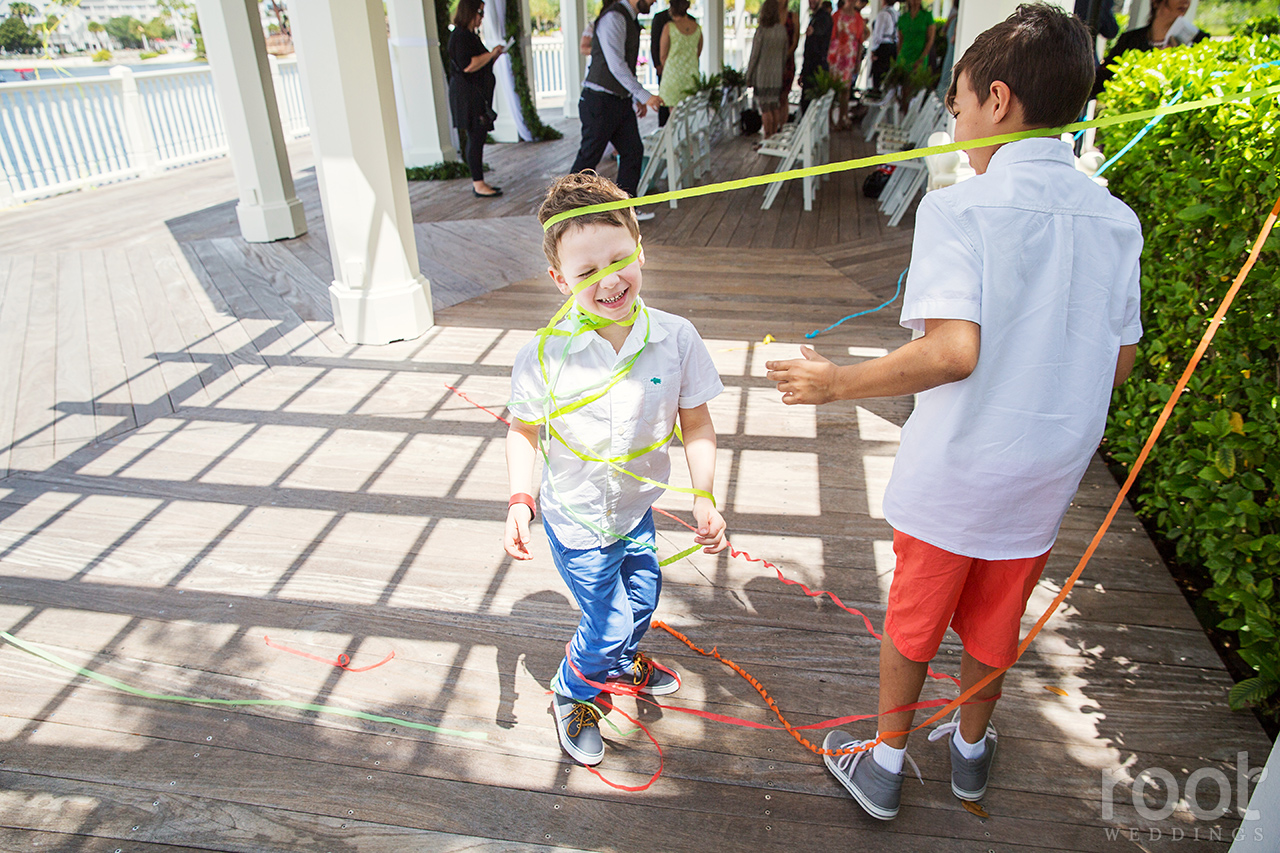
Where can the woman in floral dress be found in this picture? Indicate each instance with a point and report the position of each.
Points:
(848, 32)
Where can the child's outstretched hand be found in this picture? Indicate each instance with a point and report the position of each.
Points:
(711, 526)
(804, 380)
(515, 539)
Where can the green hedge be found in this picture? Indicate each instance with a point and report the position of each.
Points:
(1202, 183)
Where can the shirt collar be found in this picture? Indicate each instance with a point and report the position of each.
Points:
(645, 322)
(1039, 148)
(630, 10)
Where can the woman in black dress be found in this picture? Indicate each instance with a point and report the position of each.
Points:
(471, 89)
(1155, 35)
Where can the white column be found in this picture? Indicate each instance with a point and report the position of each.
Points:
(506, 102)
(378, 294)
(805, 16)
(740, 33)
(712, 37)
(1140, 11)
(977, 16)
(139, 144)
(269, 208)
(573, 19)
(422, 96)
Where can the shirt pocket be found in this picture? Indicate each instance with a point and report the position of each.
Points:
(661, 404)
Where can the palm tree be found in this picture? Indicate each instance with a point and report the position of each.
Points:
(96, 29)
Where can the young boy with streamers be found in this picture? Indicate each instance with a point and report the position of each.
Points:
(1025, 283)
(608, 384)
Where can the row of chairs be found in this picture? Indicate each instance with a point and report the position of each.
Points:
(807, 142)
(925, 116)
(682, 147)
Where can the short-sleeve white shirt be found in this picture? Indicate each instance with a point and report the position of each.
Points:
(673, 371)
(1046, 262)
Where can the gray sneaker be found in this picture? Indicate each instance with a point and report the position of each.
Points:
(968, 775)
(578, 727)
(877, 790)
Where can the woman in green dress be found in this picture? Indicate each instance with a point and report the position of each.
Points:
(680, 48)
(916, 29)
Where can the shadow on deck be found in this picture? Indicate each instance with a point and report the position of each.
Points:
(195, 462)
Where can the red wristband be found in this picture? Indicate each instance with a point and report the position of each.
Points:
(527, 500)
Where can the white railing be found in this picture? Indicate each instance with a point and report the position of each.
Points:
(548, 67)
(293, 112)
(181, 114)
(60, 135)
(548, 63)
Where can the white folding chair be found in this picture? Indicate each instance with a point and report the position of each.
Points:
(877, 110)
(805, 144)
(909, 177)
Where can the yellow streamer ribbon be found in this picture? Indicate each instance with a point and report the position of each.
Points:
(912, 154)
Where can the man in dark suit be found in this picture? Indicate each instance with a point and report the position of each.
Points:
(613, 98)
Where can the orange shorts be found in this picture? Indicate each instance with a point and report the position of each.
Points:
(983, 600)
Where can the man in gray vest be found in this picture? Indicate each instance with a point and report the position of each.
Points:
(605, 107)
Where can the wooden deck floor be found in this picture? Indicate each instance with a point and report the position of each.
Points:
(193, 462)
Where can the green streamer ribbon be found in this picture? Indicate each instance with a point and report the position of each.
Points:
(899, 156)
(33, 649)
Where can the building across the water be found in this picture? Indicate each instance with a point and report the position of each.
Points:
(74, 35)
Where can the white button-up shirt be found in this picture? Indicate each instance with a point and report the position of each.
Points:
(589, 504)
(1046, 262)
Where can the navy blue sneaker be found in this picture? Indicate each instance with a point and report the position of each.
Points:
(578, 727)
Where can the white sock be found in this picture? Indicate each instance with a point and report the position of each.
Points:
(889, 757)
(968, 750)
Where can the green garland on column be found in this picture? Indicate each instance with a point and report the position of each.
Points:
(442, 33)
(540, 131)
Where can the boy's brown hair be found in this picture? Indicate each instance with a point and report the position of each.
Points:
(580, 190)
(1043, 54)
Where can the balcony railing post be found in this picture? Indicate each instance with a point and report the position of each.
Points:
(6, 189)
(277, 83)
(139, 143)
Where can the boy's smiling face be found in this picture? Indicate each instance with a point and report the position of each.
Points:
(588, 249)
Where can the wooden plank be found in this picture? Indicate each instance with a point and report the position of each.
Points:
(703, 779)
(316, 262)
(217, 376)
(694, 758)
(180, 372)
(263, 331)
(304, 293)
(147, 388)
(178, 823)
(33, 439)
(14, 312)
(112, 406)
(75, 426)
(297, 340)
(231, 337)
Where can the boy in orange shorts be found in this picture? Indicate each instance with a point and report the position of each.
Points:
(1025, 283)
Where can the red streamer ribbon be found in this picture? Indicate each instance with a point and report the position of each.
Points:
(343, 661)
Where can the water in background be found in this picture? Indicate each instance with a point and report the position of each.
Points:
(8, 75)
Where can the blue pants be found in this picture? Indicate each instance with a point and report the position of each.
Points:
(617, 587)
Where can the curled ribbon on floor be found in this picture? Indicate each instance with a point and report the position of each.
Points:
(44, 654)
(343, 661)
